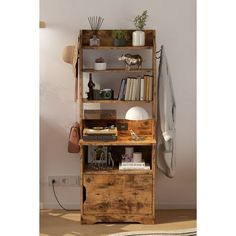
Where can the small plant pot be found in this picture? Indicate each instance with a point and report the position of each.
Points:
(138, 38)
(119, 42)
(100, 66)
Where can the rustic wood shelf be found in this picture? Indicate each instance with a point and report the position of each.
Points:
(117, 172)
(123, 70)
(85, 100)
(117, 195)
(120, 142)
(117, 48)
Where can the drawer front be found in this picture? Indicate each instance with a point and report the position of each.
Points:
(128, 193)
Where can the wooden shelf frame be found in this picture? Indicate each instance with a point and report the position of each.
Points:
(119, 70)
(119, 142)
(124, 140)
(117, 48)
(85, 100)
(117, 172)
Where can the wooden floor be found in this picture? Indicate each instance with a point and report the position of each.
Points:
(65, 223)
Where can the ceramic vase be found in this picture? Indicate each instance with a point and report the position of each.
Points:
(138, 38)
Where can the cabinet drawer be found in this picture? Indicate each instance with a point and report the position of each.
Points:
(126, 193)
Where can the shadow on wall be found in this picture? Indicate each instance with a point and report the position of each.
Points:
(53, 138)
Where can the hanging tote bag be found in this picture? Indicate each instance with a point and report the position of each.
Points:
(74, 137)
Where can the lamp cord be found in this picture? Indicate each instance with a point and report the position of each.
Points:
(59, 202)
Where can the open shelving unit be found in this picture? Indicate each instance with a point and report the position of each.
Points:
(115, 195)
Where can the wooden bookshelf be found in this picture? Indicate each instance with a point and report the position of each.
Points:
(114, 195)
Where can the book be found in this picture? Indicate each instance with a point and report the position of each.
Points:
(131, 89)
(145, 87)
(138, 88)
(135, 88)
(150, 88)
(134, 167)
(132, 164)
(142, 89)
(147, 91)
(124, 90)
(127, 89)
(121, 90)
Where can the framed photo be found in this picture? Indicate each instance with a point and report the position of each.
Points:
(97, 154)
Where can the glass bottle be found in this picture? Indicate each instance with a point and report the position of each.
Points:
(91, 84)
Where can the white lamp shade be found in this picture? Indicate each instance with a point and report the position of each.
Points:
(136, 113)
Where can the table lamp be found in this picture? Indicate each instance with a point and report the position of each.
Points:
(136, 113)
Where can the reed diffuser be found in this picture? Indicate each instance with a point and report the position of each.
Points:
(95, 24)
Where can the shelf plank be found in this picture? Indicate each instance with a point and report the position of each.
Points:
(120, 142)
(117, 48)
(142, 70)
(85, 100)
(116, 171)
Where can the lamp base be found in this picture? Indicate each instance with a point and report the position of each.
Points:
(135, 137)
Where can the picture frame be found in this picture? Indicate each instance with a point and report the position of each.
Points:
(97, 154)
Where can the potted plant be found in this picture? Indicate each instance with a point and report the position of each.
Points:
(138, 36)
(119, 37)
(100, 64)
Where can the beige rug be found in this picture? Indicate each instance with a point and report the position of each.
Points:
(185, 232)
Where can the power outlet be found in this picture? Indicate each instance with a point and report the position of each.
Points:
(56, 178)
(64, 180)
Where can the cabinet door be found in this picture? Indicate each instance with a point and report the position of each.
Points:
(128, 193)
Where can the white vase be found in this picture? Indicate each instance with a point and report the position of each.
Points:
(138, 38)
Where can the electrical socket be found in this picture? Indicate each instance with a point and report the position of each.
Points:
(67, 180)
(56, 178)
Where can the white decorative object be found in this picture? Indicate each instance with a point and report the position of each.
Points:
(128, 156)
(100, 66)
(138, 38)
(129, 150)
(137, 157)
(136, 113)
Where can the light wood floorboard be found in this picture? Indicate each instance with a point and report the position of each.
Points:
(65, 223)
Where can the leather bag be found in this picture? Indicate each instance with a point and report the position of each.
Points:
(74, 137)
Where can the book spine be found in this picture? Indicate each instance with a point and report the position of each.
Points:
(138, 88)
(142, 89)
(147, 92)
(127, 89)
(131, 89)
(135, 88)
(124, 90)
(121, 89)
(150, 88)
(133, 164)
(145, 87)
(134, 168)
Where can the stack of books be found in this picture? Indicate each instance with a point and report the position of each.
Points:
(133, 166)
(136, 89)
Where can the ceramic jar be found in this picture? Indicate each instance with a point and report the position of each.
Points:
(138, 38)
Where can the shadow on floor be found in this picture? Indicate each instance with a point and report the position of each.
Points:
(67, 223)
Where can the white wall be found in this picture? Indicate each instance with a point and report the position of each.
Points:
(175, 23)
